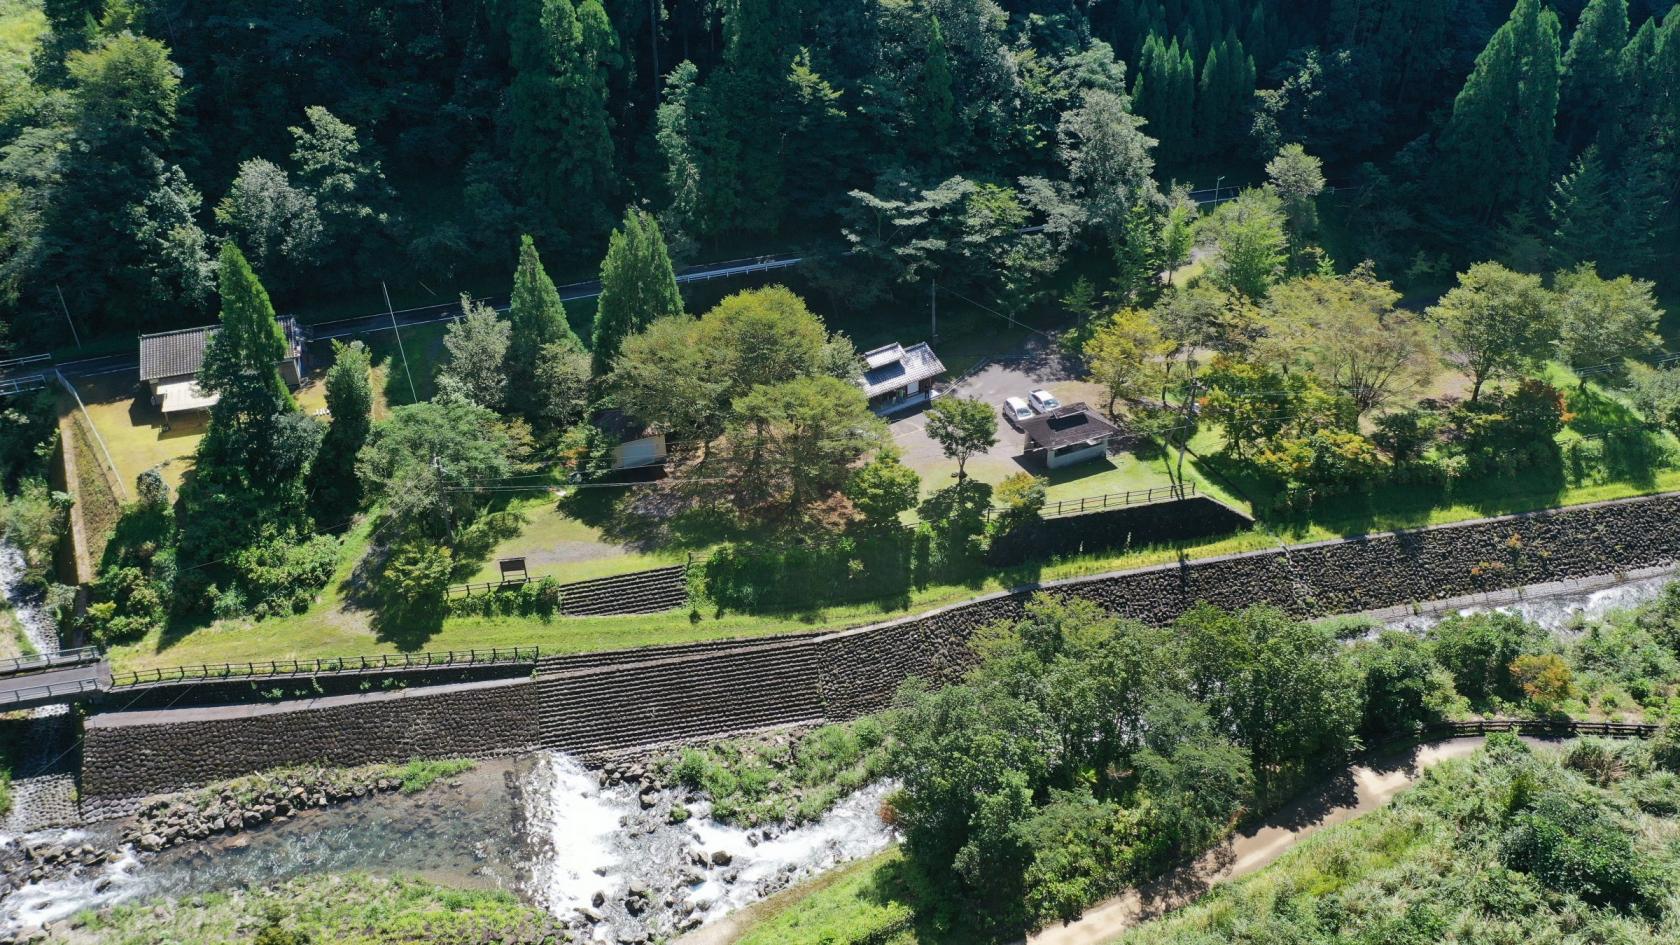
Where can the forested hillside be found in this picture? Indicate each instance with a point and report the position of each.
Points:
(413, 141)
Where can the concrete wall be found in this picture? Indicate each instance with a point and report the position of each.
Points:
(130, 754)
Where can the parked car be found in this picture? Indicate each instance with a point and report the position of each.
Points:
(1015, 410)
(1042, 401)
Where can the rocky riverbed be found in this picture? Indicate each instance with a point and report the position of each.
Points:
(612, 855)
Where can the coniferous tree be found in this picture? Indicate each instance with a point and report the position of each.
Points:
(936, 103)
(560, 132)
(1224, 96)
(336, 491)
(1164, 93)
(638, 285)
(1582, 213)
(743, 102)
(1496, 148)
(1590, 69)
(537, 318)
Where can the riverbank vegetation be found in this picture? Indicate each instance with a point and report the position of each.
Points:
(355, 909)
(780, 779)
(1085, 755)
(1513, 844)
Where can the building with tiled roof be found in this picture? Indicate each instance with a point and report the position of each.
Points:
(896, 377)
(169, 363)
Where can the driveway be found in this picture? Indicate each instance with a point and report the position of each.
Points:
(1039, 364)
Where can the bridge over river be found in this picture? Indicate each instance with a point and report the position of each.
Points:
(68, 676)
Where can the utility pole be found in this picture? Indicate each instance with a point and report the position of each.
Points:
(1216, 188)
(933, 309)
(67, 319)
(412, 393)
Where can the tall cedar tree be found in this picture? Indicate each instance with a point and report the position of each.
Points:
(1590, 70)
(537, 317)
(125, 94)
(936, 103)
(1496, 148)
(638, 285)
(743, 107)
(337, 492)
(1165, 95)
(560, 129)
(1224, 98)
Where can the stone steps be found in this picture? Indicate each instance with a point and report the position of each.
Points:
(642, 592)
(630, 705)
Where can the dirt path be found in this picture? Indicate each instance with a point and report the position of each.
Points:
(1358, 790)
(1352, 792)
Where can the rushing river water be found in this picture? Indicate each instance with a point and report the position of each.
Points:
(1559, 613)
(540, 826)
(545, 828)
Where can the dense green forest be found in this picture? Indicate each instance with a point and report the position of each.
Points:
(413, 141)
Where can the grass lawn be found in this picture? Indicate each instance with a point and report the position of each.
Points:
(559, 546)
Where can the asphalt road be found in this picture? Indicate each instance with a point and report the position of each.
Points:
(58, 685)
(423, 315)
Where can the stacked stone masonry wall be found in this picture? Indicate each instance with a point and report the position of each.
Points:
(600, 704)
(139, 753)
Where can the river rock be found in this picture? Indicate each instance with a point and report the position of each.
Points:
(721, 858)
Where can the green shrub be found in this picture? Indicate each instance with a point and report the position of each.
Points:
(1577, 848)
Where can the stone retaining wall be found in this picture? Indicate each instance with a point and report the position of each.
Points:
(863, 667)
(132, 754)
(606, 703)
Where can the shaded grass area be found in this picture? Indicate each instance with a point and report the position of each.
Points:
(875, 900)
(555, 544)
(355, 909)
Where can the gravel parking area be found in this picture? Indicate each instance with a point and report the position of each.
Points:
(1039, 364)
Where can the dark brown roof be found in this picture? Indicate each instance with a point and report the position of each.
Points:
(1066, 426)
(181, 352)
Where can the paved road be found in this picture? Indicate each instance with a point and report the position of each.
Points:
(27, 690)
(431, 314)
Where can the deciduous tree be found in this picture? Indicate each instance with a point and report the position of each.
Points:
(1495, 323)
(1601, 321)
(962, 427)
(475, 357)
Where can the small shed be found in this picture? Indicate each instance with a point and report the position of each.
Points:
(896, 377)
(639, 445)
(1069, 434)
(169, 363)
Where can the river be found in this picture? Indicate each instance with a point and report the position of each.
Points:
(545, 828)
(540, 826)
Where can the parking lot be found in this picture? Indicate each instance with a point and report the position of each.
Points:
(1040, 364)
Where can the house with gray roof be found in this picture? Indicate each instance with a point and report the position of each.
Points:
(1070, 434)
(896, 377)
(169, 363)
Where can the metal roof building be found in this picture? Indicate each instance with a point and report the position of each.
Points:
(896, 377)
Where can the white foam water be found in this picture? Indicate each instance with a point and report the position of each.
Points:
(620, 868)
(1559, 613)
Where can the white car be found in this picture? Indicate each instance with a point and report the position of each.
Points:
(1042, 401)
(1015, 410)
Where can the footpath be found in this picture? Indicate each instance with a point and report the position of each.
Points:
(1357, 790)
